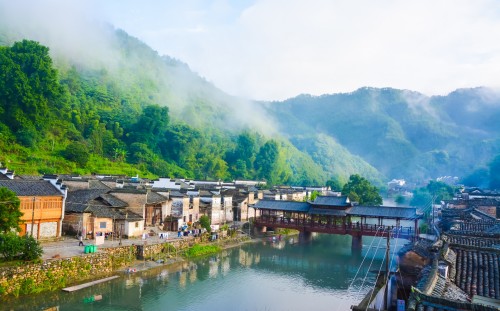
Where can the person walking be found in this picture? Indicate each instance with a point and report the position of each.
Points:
(80, 238)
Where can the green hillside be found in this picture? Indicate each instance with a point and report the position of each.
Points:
(121, 108)
(156, 118)
(402, 134)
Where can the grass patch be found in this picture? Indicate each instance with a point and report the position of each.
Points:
(201, 250)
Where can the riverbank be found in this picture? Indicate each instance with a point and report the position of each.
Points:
(57, 272)
(261, 274)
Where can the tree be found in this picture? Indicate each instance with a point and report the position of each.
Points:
(312, 196)
(334, 184)
(421, 197)
(29, 87)
(362, 191)
(495, 173)
(205, 223)
(10, 213)
(266, 162)
(31, 248)
(151, 124)
(11, 245)
(440, 190)
(479, 178)
(400, 199)
(77, 152)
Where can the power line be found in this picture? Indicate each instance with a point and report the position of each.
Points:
(369, 267)
(374, 285)
(366, 255)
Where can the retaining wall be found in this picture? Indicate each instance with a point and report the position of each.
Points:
(54, 274)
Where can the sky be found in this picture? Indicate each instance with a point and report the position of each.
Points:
(278, 49)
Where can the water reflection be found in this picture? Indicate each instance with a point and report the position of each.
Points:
(270, 275)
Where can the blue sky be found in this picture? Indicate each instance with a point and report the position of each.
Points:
(276, 49)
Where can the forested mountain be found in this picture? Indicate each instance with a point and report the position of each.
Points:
(120, 108)
(401, 133)
(140, 114)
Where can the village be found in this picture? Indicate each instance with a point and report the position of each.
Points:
(115, 207)
(453, 266)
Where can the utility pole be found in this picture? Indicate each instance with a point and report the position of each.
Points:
(33, 216)
(121, 233)
(386, 296)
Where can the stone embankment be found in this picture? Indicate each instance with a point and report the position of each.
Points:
(52, 274)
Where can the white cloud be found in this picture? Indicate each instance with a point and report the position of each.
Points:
(278, 49)
(275, 49)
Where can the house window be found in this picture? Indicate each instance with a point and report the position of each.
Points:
(102, 225)
(190, 217)
(137, 224)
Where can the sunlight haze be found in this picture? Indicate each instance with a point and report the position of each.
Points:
(276, 49)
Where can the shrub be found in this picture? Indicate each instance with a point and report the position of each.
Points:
(32, 249)
(205, 223)
(11, 245)
(77, 152)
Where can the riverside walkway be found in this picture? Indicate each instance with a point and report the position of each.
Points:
(68, 246)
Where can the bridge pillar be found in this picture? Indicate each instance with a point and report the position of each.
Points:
(357, 242)
(305, 236)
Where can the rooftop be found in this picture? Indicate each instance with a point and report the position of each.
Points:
(31, 187)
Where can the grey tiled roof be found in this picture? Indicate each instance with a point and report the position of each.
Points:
(331, 201)
(153, 197)
(289, 206)
(477, 271)
(108, 212)
(97, 184)
(78, 200)
(177, 194)
(31, 187)
(112, 200)
(326, 211)
(383, 211)
(103, 211)
(470, 240)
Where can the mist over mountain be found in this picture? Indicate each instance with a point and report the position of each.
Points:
(403, 134)
(378, 133)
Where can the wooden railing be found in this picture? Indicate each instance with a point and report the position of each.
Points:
(335, 228)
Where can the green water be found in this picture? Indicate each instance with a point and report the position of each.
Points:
(281, 275)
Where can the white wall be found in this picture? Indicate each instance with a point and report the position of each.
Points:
(132, 230)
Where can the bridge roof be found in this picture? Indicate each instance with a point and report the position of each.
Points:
(327, 212)
(287, 206)
(384, 211)
(331, 201)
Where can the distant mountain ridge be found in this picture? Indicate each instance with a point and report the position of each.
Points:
(402, 133)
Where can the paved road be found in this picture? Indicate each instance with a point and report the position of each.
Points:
(68, 247)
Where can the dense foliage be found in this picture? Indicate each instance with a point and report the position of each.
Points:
(205, 223)
(141, 113)
(70, 121)
(495, 173)
(360, 190)
(13, 246)
(434, 192)
(402, 134)
(10, 213)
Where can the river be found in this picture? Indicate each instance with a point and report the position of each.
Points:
(262, 276)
